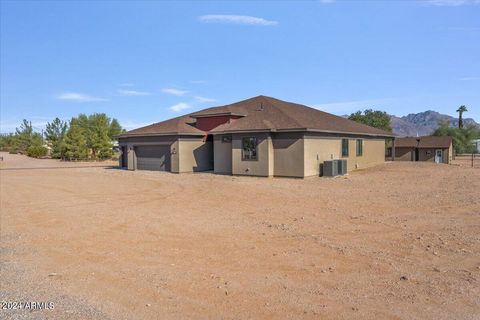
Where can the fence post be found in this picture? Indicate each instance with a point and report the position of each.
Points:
(473, 156)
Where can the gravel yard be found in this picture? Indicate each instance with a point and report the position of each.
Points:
(398, 241)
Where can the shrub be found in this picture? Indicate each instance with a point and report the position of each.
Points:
(115, 156)
(36, 151)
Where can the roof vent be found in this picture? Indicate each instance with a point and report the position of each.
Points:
(260, 107)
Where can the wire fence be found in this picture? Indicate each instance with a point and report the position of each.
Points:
(467, 160)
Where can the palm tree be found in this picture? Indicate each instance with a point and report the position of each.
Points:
(460, 111)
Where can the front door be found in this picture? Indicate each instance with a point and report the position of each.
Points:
(438, 156)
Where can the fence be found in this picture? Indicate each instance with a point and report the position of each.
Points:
(467, 160)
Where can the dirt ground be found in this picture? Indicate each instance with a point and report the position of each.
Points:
(398, 241)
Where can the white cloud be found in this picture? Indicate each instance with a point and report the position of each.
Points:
(79, 97)
(174, 92)
(204, 99)
(327, 1)
(450, 3)
(198, 81)
(179, 107)
(133, 93)
(468, 78)
(236, 19)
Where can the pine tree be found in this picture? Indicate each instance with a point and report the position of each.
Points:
(115, 129)
(55, 133)
(26, 137)
(74, 145)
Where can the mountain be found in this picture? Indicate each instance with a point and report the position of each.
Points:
(423, 123)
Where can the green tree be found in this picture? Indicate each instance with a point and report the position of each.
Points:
(460, 111)
(115, 129)
(7, 142)
(96, 131)
(376, 119)
(37, 151)
(462, 137)
(55, 133)
(98, 138)
(26, 137)
(74, 146)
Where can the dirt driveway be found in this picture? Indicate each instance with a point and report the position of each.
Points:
(399, 241)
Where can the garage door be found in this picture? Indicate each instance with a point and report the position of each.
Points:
(155, 158)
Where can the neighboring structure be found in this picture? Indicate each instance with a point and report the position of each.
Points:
(428, 148)
(261, 136)
(476, 143)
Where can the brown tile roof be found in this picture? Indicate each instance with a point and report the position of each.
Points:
(435, 142)
(408, 142)
(423, 142)
(263, 113)
(176, 126)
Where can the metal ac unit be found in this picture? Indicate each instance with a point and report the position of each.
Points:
(330, 168)
(342, 167)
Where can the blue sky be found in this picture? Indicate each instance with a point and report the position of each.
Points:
(143, 62)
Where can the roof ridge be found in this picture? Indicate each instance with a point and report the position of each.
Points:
(326, 114)
(280, 109)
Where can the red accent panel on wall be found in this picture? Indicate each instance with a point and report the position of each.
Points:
(208, 123)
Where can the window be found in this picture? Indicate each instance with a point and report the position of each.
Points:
(226, 139)
(344, 147)
(249, 148)
(359, 147)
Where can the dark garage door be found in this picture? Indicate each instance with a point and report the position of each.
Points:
(155, 158)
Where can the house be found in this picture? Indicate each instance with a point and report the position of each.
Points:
(428, 148)
(260, 136)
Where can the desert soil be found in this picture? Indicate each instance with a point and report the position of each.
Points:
(398, 241)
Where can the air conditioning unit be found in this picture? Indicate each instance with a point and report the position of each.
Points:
(330, 168)
(342, 167)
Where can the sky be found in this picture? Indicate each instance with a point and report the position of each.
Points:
(144, 62)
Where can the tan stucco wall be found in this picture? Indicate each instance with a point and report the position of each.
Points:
(288, 154)
(422, 155)
(222, 153)
(426, 155)
(404, 154)
(258, 167)
(320, 148)
(373, 154)
(194, 155)
(174, 157)
(131, 158)
(450, 154)
(271, 157)
(317, 150)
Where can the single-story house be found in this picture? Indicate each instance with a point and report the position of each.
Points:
(260, 136)
(428, 148)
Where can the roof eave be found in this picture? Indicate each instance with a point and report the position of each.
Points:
(219, 114)
(161, 134)
(305, 130)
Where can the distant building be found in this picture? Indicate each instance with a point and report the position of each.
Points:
(428, 148)
(477, 145)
